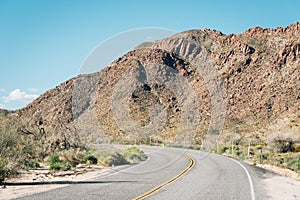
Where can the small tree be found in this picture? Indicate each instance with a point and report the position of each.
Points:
(283, 145)
(12, 153)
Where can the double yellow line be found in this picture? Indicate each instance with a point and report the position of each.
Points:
(156, 189)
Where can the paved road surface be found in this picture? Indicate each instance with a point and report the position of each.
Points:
(212, 177)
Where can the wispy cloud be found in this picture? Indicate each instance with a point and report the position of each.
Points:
(2, 106)
(18, 95)
(2, 90)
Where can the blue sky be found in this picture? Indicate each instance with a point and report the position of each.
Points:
(45, 42)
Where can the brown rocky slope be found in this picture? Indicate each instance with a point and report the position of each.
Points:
(259, 69)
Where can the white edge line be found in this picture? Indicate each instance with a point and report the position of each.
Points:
(249, 178)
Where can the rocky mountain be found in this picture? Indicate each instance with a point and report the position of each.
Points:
(244, 86)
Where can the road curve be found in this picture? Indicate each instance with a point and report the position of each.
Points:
(211, 177)
(215, 177)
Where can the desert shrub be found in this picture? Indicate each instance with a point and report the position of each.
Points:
(111, 158)
(117, 159)
(294, 164)
(266, 155)
(12, 153)
(238, 152)
(57, 164)
(296, 148)
(280, 159)
(5, 170)
(223, 149)
(228, 149)
(282, 145)
(90, 159)
(73, 156)
(53, 158)
(130, 155)
(133, 149)
(32, 164)
(133, 155)
(251, 152)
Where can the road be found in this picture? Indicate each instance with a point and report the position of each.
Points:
(210, 177)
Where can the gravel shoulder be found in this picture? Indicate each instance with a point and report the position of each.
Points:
(279, 183)
(280, 187)
(41, 180)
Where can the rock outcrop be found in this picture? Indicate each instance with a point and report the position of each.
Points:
(259, 70)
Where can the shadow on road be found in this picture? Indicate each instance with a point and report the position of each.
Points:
(64, 182)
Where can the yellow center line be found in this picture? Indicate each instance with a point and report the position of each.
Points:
(156, 189)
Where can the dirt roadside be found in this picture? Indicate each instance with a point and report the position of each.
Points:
(37, 181)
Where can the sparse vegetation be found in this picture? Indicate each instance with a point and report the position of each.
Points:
(283, 145)
(13, 153)
(24, 150)
(127, 156)
(111, 159)
(294, 164)
(90, 159)
(285, 156)
(57, 164)
(73, 156)
(133, 155)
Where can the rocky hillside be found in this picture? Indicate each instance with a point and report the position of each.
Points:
(257, 72)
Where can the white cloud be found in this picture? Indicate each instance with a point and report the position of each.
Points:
(2, 106)
(2, 89)
(18, 95)
(34, 90)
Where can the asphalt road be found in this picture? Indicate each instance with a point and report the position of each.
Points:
(212, 177)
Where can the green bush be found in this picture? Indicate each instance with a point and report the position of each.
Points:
(4, 172)
(223, 149)
(130, 155)
(238, 152)
(133, 150)
(294, 164)
(266, 155)
(57, 164)
(32, 164)
(117, 159)
(73, 156)
(11, 152)
(53, 158)
(90, 159)
(111, 158)
(133, 155)
(63, 166)
(280, 159)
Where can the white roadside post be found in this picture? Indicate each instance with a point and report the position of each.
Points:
(248, 154)
(260, 155)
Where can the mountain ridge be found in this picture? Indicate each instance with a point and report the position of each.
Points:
(259, 69)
